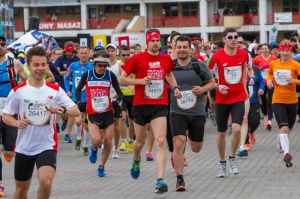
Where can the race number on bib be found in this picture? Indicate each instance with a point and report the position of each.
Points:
(155, 89)
(2, 103)
(281, 75)
(233, 74)
(100, 104)
(77, 80)
(188, 100)
(36, 113)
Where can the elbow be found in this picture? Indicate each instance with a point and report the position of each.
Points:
(121, 81)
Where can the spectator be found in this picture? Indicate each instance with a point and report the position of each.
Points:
(250, 15)
(48, 18)
(54, 17)
(163, 17)
(216, 17)
(101, 18)
(231, 12)
(225, 11)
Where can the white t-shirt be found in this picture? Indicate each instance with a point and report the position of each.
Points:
(29, 102)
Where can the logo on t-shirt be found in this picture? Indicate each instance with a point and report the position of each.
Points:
(154, 64)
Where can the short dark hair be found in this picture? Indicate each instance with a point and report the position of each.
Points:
(268, 45)
(274, 46)
(227, 30)
(173, 35)
(184, 38)
(123, 47)
(101, 53)
(36, 51)
(220, 44)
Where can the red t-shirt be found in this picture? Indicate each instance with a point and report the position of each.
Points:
(157, 67)
(199, 57)
(230, 70)
(264, 64)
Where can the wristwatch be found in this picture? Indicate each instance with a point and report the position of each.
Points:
(176, 87)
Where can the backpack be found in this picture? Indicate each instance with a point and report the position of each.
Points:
(196, 68)
(11, 72)
(58, 77)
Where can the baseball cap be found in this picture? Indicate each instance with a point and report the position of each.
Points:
(99, 48)
(101, 59)
(111, 45)
(3, 38)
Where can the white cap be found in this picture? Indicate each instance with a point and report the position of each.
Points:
(111, 45)
(10, 55)
(101, 59)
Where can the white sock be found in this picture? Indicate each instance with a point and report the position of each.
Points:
(130, 140)
(78, 132)
(242, 148)
(124, 140)
(285, 144)
(86, 138)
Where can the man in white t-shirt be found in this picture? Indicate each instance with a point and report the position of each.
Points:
(36, 102)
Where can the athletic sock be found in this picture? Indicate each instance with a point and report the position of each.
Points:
(285, 144)
(78, 132)
(86, 138)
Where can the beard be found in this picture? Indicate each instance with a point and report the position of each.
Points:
(183, 57)
(154, 49)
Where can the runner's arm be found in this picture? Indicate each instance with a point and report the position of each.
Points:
(50, 76)
(19, 69)
(67, 80)
(81, 85)
(116, 86)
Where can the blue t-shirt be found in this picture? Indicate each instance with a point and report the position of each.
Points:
(63, 63)
(4, 80)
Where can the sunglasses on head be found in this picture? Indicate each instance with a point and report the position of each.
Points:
(231, 37)
(101, 65)
(125, 55)
(3, 44)
(285, 44)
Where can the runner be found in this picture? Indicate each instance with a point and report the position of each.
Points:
(231, 64)
(188, 113)
(150, 101)
(98, 82)
(282, 76)
(37, 138)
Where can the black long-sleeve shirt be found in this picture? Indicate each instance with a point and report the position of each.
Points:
(114, 80)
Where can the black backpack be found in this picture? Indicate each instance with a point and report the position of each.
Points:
(196, 68)
(58, 77)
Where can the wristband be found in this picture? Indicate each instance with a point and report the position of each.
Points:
(176, 87)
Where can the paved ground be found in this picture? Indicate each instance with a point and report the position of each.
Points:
(263, 173)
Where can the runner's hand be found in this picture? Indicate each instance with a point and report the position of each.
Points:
(146, 80)
(223, 89)
(177, 93)
(23, 123)
(270, 84)
(197, 90)
(69, 94)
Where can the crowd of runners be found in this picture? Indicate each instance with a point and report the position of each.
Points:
(120, 98)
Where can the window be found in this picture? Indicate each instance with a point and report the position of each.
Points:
(112, 8)
(131, 8)
(189, 8)
(73, 9)
(171, 9)
(239, 6)
(56, 10)
(16, 11)
(290, 5)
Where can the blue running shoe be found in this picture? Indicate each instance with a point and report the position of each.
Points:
(161, 186)
(242, 153)
(101, 172)
(135, 170)
(93, 155)
(64, 125)
(68, 139)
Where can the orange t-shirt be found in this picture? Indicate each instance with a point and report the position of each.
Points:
(284, 92)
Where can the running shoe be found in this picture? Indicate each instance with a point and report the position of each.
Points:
(185, 162)
(115, 154)
(101, 172)
(130, 147)
(57, 128)
(6, 158)
(2, 190)
(180, 185)
(161, 186)
(269, 125)
(93, 154)
(77, 145)
(265, 122)
(149, 156)
(64, 125)
(213, 121)
(247, 147)
(68, 139)
(234, 168)
(123, 146)
(279, 148)
(135, 170)
(172, 161)
(252, 138)
(222, 170)
(242, 153)
(287, 159)
(85, 151)
(229, 130)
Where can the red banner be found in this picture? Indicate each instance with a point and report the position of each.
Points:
(60, 25)
(123, 40)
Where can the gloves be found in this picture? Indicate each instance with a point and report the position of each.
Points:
(115, 104)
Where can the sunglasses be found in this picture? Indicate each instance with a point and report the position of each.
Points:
(231, 37)
(240, 42)
(101, 65)
(125, 55)
(285, 44)
(3, 44)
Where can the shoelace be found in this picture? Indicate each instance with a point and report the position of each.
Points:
(136, 167)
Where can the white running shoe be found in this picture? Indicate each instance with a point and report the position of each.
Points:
(115, 154)
(234, 168)
(222, 170)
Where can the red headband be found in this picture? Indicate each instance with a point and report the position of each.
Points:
(69, 48)
(286, 47)
(152, 35)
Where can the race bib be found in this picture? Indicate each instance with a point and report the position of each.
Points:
(233, 74)
(100, 104)
(188, 100)
(281, 75)
(2, 103)
(155, 89)
(36, 113)
(250, 89)
(77, 80)
(113, 93)
(264, 73)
